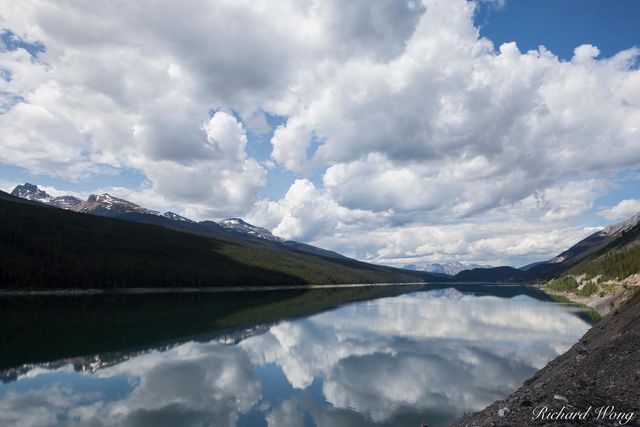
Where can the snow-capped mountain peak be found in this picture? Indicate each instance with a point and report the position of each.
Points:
(175, 217)
(32, 192)
(241, 226)
(451, 267)
(106, 202)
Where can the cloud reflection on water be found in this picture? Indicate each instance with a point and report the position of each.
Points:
(428, 356)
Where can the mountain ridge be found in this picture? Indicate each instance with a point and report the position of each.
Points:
(33, 193)
(42, 247)
(110, 206)
(595, 245)
(107, 205)
(450, 268)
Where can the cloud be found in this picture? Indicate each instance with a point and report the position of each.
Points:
(622, 210)
(528, 230)
(513, 243)
(305, 212)
(569, 200)
(494, 127)
(410, 118)
(256, 122)
(118, 88)
(380, 29)
(290, 145)
(453, 130)
(219, 181)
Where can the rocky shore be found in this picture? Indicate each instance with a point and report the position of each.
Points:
(595, 383)
(607, 298)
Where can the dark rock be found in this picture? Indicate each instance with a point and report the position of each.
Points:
(526, 403)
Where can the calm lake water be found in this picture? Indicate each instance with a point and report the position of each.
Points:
(391, 359)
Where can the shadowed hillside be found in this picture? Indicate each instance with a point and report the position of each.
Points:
(49, 248)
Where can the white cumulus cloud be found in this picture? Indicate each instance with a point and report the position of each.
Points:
(622, 210)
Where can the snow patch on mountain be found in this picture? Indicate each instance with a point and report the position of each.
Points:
(175, 217)
(106, 202)
(238, 225)
(33, 193)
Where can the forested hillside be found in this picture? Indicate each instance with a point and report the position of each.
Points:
(49, 248)
(616, 261)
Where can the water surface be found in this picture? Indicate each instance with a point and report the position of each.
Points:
(425, 356)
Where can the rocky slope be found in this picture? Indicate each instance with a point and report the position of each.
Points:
(592, 246)
(599, 377)
(105, 204)
(33, 193)
(602, 279)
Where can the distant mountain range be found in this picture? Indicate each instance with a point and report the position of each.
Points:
(114, 207)
(451, 268)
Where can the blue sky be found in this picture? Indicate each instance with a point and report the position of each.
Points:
(385, 130)
(562, 25)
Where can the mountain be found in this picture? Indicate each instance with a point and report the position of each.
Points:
(451, 268)
(618, 229)
(530, 266)
(613, 252)
(592, 246)
(46, 248)
(494, 274)
(240, 226)
(113, 207)
(175, 217)
(618, 259)
(32, 192)
(107, 205)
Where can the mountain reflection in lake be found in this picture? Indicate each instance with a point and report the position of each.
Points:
(424, 357)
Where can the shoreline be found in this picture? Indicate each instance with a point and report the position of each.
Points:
(227, 289)
(603, 302)
(599, 370)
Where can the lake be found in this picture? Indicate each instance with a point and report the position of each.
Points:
(398, 356)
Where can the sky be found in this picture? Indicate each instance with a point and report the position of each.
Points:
(397, 132)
